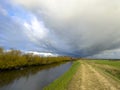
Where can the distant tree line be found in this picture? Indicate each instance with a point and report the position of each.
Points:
(15, 59)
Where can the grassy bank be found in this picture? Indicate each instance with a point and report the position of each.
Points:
(109, 66)
(14, 59)
(113, 63)
(62, 82)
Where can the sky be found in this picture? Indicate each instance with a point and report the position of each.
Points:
(80, 28)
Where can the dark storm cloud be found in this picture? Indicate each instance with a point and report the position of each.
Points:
(73, 27)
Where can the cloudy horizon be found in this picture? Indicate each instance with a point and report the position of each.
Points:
(79, 28)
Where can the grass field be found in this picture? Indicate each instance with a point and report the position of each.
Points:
(111, 67)
(115, 63)
(62, 82)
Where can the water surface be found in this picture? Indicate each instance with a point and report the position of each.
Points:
(32, 78)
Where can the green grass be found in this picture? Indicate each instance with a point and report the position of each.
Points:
(108, 62)
(112, 68)
(62, 82)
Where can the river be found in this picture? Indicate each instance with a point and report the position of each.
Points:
(32, 78)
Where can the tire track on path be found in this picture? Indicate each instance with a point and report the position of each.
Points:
(89, 78)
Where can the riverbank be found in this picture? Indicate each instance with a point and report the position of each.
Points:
(88, 77)
(15, 59)
(62, 82)
(110, 67)
(33, 77)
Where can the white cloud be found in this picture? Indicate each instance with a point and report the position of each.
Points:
(36, 29)
(3, 11)
(84, 27)
(12, 34)
(45, 54)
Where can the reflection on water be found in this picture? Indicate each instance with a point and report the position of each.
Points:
(32, 78)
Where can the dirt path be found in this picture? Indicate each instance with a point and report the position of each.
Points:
(88, 78)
